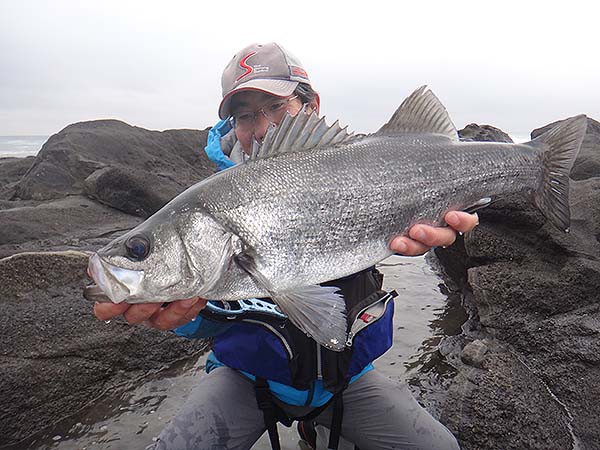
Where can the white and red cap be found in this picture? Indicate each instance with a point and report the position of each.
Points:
(263, 67)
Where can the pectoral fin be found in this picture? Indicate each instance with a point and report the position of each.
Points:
(318, 311)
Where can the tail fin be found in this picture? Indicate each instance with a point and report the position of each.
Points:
(561, 146)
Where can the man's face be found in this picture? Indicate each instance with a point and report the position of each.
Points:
(263, 109)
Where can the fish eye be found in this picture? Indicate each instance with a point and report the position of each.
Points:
(137, 247)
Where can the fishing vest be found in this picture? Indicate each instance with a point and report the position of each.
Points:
(275, 349)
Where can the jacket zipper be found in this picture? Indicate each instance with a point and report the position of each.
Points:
(275, 332)
(386, 298)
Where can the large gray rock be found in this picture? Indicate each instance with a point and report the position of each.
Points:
(74, 222)
(484, 133)
(13, 169)
(173, 160)
(54, 355)
(89, 183)
(130, 190)
(132, 171)
(534, 295)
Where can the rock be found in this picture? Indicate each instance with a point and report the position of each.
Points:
(74, 222)
(474, 352)
(131, 191)
(587, 164)
(487, 133)
(13, 169)
(173, 159)
(534, 291)
(54, 355)
(504, 407)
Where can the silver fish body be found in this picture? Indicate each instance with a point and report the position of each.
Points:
(317, 216)
(316, 203)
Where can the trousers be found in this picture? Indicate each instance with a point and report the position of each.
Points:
(221, 413)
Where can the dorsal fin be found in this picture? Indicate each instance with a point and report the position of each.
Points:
(421, 113)
(300, 132)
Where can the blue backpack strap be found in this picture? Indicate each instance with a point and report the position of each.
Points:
(213, 145)
(232, 311)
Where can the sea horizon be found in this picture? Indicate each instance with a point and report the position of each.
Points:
(21, 146)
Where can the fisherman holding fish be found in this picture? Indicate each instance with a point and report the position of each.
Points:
(263, 368)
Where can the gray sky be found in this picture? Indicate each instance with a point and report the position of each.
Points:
(514, 65)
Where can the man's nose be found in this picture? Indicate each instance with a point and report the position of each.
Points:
(261, 125)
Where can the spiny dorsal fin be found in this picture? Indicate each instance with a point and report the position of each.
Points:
(421, 112)
(300, 132)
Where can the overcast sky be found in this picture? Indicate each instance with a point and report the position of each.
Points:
(514, 65)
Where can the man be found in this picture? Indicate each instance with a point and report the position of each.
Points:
(263, 369)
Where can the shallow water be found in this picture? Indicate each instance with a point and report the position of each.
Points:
(134, 416)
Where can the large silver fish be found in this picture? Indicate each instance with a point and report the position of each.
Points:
(315, 203)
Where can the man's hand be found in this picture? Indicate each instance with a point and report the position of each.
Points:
(422, 237)
(174, 315)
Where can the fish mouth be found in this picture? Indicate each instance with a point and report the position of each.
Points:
(113, 283)
(94, 293)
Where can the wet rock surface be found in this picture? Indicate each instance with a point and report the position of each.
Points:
(532, 292)
(90, 183)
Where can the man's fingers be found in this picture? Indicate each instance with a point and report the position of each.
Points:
(462, 221)
(195, 310)
(403, 245)
(433, 236)
(106, 311)
(141, 312)
(177, 313)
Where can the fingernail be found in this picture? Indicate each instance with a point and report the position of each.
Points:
(400, 246)
(452, 218)
(477, 217)
(418, 235)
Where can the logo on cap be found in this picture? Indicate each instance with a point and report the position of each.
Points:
(257, 68)
(243, 65)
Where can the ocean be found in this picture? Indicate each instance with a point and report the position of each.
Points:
(21, 146)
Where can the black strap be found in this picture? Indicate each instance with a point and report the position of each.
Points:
(336, 421)
(265, 403)
(272, 414)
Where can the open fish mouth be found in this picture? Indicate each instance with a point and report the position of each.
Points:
(94, 293)
(113, 283)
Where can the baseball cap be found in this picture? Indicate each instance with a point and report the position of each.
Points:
(263, 67)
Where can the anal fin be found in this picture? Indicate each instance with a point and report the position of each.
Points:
(319, 311)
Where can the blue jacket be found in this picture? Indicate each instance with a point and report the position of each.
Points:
(259, 349)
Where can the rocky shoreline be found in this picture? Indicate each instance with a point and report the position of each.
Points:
(89, 183)
(527, 361)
